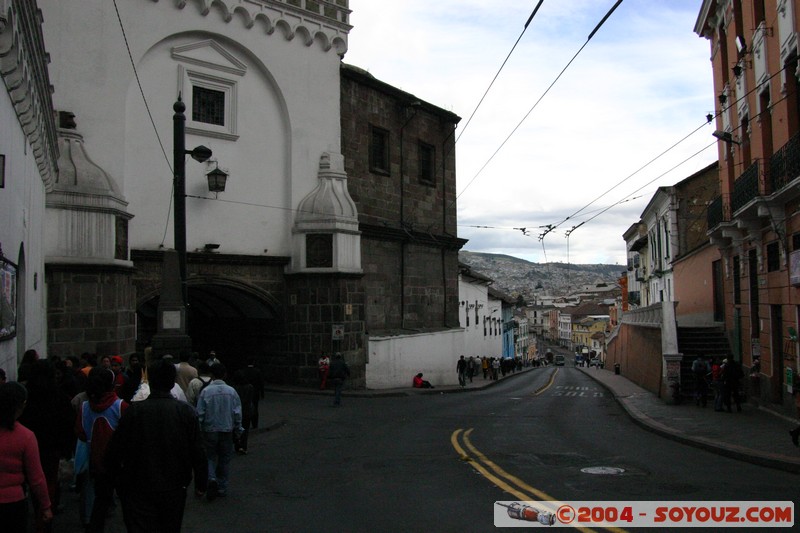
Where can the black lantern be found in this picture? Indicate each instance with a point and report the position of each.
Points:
(216, 180)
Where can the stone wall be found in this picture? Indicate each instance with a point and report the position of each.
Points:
(90, 308)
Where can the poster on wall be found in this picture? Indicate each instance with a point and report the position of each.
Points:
(8, 298)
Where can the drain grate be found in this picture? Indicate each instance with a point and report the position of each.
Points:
(603, 470)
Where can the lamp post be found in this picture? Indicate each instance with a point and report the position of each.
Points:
(199, 154)
(172, 335)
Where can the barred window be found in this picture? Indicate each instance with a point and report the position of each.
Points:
(208, 106)
(427, 164)
(379, 151)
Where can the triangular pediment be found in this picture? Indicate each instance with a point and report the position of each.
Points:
(209, 54)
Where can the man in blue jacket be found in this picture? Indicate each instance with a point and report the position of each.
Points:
(220, 412)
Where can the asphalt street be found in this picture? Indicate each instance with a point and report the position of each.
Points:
(439, 462)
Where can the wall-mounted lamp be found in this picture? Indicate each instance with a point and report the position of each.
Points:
(741, 45)
(217, 179)
(737, 70)
(722, 98)
(709, 118)
(725, 136)
(463, 303)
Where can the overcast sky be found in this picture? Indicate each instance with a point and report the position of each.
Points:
(641, 84)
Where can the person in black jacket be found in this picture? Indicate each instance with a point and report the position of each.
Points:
(156, 449)
(338, 373)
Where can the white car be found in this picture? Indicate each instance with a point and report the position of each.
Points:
(594, 361)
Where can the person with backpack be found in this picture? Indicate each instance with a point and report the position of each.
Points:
(97, 420)
(199, 383)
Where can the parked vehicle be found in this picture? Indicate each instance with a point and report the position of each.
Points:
(595, 361)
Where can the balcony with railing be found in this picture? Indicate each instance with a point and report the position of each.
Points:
(719, 211)
(745, 188)
(784, 165)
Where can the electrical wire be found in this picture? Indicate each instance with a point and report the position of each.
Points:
(499, 70)
(149, 114)
(519, 124)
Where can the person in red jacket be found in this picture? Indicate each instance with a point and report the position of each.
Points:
(97, 420)
(420, 383)
(19, 464)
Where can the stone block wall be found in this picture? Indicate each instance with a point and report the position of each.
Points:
(316, 303)
(90, 308)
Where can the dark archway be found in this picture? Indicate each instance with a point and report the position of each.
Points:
(236, 320)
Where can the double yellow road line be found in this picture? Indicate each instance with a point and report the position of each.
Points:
(492, 472)
(505, 481)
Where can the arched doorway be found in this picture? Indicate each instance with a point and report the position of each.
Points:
(236, 320)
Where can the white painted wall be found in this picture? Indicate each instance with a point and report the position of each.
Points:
(394, 361)
(22, 226)
(287, 115)
(475, 342)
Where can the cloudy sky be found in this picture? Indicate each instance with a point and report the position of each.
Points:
(585, 139)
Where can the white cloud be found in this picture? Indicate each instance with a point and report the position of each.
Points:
(640, 85)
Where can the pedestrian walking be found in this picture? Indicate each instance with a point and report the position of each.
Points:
(49, 414)
(461, 369)
(339, 372)
(700, 371)
(485, 366)
(154, 454)
(716, 384)
(323, 368)
(247, 396)
(732, 375)
(253, 376)
(97, 420)
(21, 469)
(185, 372)
(219, 410)
(495, 367)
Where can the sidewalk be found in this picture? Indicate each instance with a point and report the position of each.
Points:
(755, 435)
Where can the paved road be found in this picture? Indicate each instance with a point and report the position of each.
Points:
(424, 462)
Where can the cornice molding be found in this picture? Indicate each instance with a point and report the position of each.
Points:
(23, 67)
(322, 21)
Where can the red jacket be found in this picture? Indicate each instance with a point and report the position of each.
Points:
(417, 382)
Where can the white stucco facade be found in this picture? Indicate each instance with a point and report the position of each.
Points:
(27, 169)
(279, 72)
(394, 361)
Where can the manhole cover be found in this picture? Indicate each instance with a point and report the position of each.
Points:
(603, 470)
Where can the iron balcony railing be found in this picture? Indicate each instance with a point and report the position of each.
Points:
(745, 188)
(784, 165)
(718, 211)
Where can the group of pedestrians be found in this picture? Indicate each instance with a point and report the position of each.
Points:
(141, 432)
(724, 377)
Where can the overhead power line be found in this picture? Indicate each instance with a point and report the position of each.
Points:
(530, 18)
(594, 31)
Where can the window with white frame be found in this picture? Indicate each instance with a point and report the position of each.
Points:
(211, 102)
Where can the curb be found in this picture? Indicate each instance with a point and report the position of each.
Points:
(739, 453)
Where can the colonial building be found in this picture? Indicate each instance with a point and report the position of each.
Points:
(755, 222)
(28, 154)
(335, 230)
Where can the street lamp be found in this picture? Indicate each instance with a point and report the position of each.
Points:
(200, 154)
(172, 335)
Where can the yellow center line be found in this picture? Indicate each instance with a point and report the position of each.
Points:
(543, 496)
(549, 383)
(484, 472)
